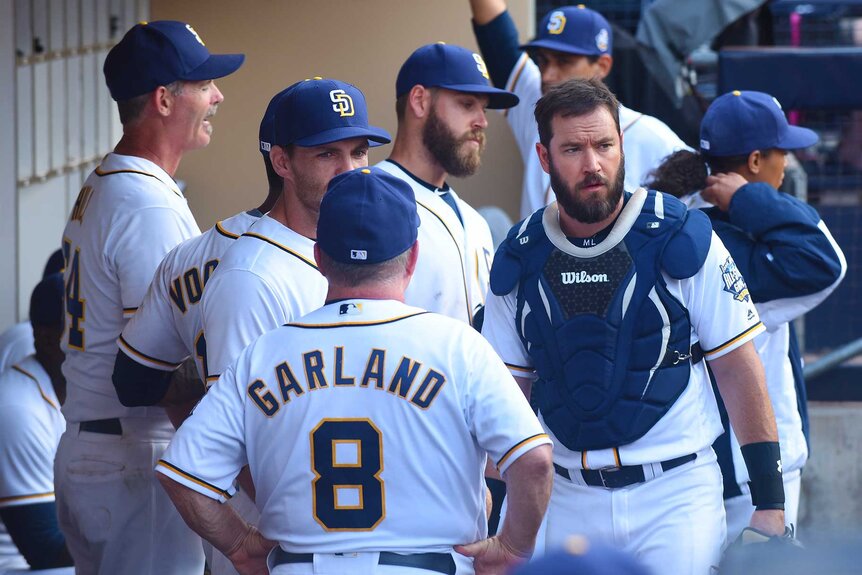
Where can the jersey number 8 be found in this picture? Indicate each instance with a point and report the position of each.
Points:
(347, 459)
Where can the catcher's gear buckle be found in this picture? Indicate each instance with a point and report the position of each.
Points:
(680, 357)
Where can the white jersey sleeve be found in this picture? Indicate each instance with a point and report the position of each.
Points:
(497, 411)
(212, 475)
(719, 304)
(526, 82)
(164, 349)
(16, 343)
(31, 426)
(500, 331)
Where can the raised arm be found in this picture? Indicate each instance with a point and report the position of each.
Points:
(497, 37)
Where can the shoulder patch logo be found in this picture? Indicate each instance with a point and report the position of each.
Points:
(734, 283)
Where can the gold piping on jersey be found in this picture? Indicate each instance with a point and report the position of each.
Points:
(127, 347)
(36, 381)
(584, 460)
(281, 247)
(25, 497)
(511, 88)
(220, 229)
(730, 342)
(192, 478)
(528, 370)
(632, 123)
(464, 275)
(518, 446)
(102, 173)
(617, 456)
(354, 323)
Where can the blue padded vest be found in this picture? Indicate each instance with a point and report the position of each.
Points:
(610, 344)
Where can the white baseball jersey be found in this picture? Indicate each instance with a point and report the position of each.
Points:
(16, 343)
(168, 327)
(266, 278)
(31, 425)
(721, 320)
(128, 215)
(646, 140)
(382, 406)
(452, 273)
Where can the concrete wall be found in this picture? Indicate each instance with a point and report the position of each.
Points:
(831, 500)
(363, 43)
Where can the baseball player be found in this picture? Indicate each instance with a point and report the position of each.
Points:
(268, 276)
(573, 42)
(605, 304)
(167, 329)
(16, 342)
(128, 215)
(442, 92)
(786, 253)
(388, 406)
(31, 392)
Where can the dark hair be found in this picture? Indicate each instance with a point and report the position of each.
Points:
(574, 98)
(679, 174)
(724, 164)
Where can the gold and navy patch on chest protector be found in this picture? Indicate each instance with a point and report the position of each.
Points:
(587, 285)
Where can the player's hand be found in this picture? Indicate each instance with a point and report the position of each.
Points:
(720, 188)
(491, 556)
(249, 558)
(768, 521)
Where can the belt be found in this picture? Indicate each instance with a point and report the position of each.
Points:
(617, 477)
(107, 426)
(437, 562)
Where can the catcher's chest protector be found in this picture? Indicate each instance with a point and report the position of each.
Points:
(608, 340)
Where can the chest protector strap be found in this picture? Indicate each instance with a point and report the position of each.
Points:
(610, 343)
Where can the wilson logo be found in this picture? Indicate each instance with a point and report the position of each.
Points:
(582, 277)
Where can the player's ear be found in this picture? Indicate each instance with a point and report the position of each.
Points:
(419, 100)
(317, 258)
(542, 152)
(603, 65)
(754, 162)
(411, 262)
(162, 100)
(279, 158)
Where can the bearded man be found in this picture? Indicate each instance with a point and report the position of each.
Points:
(442, 92)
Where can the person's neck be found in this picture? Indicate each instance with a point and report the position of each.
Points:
(375, 291)
(410, 152)
(152, 147)
(55, 374)
(577, 229)
(290, 212)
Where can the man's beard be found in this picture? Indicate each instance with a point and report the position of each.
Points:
(592, 209)
(447, 148)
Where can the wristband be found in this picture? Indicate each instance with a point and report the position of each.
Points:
(763, 461)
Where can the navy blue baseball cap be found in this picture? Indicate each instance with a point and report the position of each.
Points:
(738, 123)
(583, 558)
(574, 30)
(367, 216)
(320, 111)
(267, 124)
(154, 54)
(46, 301)
(453, 68)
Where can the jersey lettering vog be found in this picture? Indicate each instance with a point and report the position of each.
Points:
(722, 319)
(646, 140)
(128, 215)
(266, 278)
(168, 328)
(452, 273)
(350, 416)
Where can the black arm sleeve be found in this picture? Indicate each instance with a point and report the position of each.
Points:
(139, 385)
(498, 42)
(35, 532)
